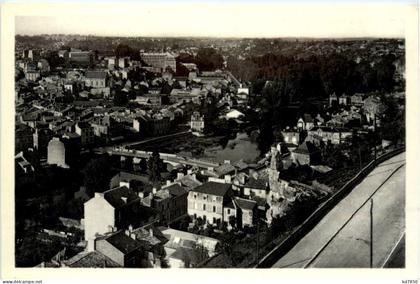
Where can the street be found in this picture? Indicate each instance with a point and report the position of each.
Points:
(342, 237)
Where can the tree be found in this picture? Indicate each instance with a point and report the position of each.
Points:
(97, 175)
(208, 59)
(154, 167)
(120, 99)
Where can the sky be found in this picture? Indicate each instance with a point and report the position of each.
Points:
(217, 19)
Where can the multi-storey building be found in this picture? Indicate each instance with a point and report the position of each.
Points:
(197, 123)
(208, 200)
(109, 211)
(159, 60)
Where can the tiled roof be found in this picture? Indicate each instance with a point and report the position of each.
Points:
(245, 203)
(214, 188)
(122, 242)
(224, 169)
(93, 259)
(305, 148)
(96, 74)
(115, 196)
(176, 189)
(256, 183)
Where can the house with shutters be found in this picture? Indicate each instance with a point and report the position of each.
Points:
(208, 200)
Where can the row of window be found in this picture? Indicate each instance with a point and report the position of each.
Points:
(210, 198)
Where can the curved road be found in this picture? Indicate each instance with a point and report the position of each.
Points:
(342, 237)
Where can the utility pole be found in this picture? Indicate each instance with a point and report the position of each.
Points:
(371, 233)
(374, 122)
(258, 240)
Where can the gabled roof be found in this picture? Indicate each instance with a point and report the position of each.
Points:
(176, 190)
(245, 204)
(115, 196)
(122, 242)
(306, 148)
(224, 169)
(91, 260)
(213, 188)
(256, 183)
(96, 74)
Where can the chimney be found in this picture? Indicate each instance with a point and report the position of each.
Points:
(168, 182)
(179, 175)
(193, 176)
(154, 191)
(124, 199)
(130, 228)
(141, 194)
(226, 162)
(99, 194)
(228, 179)
(151, 232)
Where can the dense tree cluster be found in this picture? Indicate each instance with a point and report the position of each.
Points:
(97, 175)
(295, 79)
(207, 59)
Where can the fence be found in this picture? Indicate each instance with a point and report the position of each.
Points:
(321, 211)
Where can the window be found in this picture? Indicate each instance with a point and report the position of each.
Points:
(195, 196)
(204, 206)
(205, 197)
(228, 211)
(214, 208)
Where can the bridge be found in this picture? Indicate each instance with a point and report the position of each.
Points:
(167, 158)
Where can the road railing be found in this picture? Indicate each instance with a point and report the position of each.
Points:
(286, 245)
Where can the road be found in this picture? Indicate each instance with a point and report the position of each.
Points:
(342, 237)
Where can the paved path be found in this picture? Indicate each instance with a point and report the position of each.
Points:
(341, 238)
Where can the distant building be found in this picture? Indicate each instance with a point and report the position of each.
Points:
(159, 60)
(291, 136)
(24, 138)
(234, 114)
(305, 123)
(87, 136)
(42, 137)
(152, 126)
(306, 154)
(79, 57)
(356, 100)
(30, 54)
(333, 100)
(243, 93)
(56, 153)
(123, 62)
(344, 100)
(24, 164)
(197, 123)
(96, 79)
(328, 134)
(32, 75)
